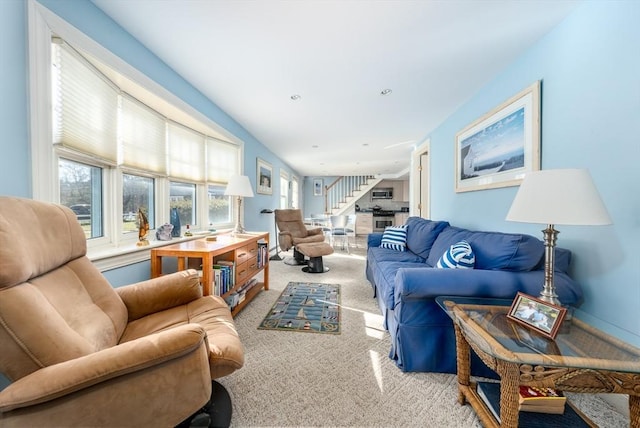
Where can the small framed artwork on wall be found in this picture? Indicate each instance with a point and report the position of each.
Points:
(264, 177)
(317, 187)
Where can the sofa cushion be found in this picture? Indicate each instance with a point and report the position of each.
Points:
(458, 256)
(395, 238)
(493, 250)
(422, 233)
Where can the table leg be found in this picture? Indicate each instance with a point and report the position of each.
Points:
(463, 362)
(634, 411)
(207, 271)
(509, 388)
(156, 266)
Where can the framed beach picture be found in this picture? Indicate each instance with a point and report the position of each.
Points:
(317, 187)
(264, 177)
(499, 148)
(537, 315)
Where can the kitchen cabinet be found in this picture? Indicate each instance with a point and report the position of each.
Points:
(364, 223)
(405, 191)
(400, 219)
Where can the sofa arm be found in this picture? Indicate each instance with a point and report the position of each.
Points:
(124, 360)
(429, 283)
(374, 239)
(158, 294)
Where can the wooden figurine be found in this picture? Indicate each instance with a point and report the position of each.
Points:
(143, 229)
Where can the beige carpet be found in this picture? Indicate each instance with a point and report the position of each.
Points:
(295, 379)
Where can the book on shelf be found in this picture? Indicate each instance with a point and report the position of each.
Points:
(556, 410)
(489, 393)
(263, 253)
(223, 276)
(541, 400)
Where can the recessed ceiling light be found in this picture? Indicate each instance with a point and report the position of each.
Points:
(385, 91)
(295, 97)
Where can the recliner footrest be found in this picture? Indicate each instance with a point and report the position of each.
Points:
(315, 251)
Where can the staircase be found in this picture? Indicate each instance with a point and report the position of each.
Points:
(341, 195)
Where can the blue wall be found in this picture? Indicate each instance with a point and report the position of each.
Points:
(590, 72)
(315, 204)
(15, 170)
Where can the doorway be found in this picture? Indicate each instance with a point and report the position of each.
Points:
(420, 181)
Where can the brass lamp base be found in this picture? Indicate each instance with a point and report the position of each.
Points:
(239, 227)
(548, 293)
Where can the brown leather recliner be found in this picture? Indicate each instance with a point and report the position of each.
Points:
(79, 352)
(292, 231)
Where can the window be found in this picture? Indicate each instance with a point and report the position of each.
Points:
(81, 190)
(294, 193)
(107, 141)
(137, 193)
(183, 197)
(284, 190)
(219, 205)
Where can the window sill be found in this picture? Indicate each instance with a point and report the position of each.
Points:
(112, 258)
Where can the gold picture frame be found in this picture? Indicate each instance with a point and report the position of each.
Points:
(499, 148)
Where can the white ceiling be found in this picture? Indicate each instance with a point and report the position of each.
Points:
(250, 57)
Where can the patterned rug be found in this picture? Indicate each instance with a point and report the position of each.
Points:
(307, 307)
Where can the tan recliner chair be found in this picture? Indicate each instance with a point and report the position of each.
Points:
(79, 352)
(292, 231)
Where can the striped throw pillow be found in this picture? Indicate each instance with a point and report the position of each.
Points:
(395, 238)
(458, 256)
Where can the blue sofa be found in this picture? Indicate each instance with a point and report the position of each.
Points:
(406, 284)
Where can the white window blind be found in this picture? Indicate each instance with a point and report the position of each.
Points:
(222, 160)
(143, 133)
(186, 153)
(85, 105)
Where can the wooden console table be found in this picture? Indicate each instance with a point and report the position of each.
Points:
(240, 249)
(580, 359)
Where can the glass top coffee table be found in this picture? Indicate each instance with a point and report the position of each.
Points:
(580, 359)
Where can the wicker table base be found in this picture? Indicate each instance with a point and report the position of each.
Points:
(581, 373)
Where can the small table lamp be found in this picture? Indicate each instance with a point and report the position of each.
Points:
(557, 196)
(240, 187)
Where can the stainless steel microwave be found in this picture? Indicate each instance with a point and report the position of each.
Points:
(382, 193)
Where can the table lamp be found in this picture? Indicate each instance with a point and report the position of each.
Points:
(557, 196)
(240, 187)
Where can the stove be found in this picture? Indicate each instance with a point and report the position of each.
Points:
(382, 219)
(383, 213)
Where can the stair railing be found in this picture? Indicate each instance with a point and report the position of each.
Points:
(342, 188)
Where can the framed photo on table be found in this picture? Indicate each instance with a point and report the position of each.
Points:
(499, 148)
(535, 314)
(264, 177)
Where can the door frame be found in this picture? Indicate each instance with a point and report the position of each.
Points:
(420, 180)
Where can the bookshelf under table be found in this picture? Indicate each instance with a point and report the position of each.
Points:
(243, 250)
(580, 359)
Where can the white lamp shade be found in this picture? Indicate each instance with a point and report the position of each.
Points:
(239, 185)
(559, 196)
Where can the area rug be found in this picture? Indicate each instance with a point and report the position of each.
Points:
(308, 307)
